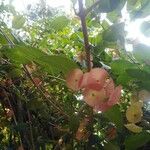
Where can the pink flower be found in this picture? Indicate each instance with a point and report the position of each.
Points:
(85, 80)
(94, 98)
(115, 96)
(109, 86)
(74, 79)
(96, 78)
(113, 99)
(102, 100)
(98, 88)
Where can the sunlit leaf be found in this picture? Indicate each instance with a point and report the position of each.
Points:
(3, 39)
(52, 64)
(59, 23)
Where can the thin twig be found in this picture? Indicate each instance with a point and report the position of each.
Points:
(41, 92)
(85, 33)
(57, 78)
(14, 117)
(87, 49)
(31, 130)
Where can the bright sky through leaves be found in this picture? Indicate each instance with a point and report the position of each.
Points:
(21, 5)
(132, 28)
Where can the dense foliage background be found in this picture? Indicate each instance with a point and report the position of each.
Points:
(40, 46)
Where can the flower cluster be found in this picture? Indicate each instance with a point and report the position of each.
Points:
(134, 114)
(97, 87)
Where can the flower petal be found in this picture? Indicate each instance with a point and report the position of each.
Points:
(74, 79)
(97, 78)
(85, 80)
(109, 86)
(134, 113)
(134, 128)
(94, 98)
(115, 96)
(102, 107)
(144, 95)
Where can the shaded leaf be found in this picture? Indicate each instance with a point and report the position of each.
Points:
(144, 85)
(142, 53)
(106, 6)
(138, 74)
(114, 32)
(145, 28)
(132, 4)
(115, 116)
(132, 142)
(111, 146)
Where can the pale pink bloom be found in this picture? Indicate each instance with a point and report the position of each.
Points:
(113, 99)
(74, 79)
(102, 107)
(94, 98)
(85, 80)
(109, 86)
(101, 100)
(115, 96)
(98, 89)
(97, 78)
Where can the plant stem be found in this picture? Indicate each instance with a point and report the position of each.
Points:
(85, 33)
(82, 16)
(31, 130)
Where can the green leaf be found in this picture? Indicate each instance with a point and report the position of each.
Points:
(120, 66)
(88, 3)
(59, 23)
(144, 85)
(3, 39)
(114, 115)
(14, 73)
(133, 4)
(142, 53)
(18, 21)
(135, 141)
(56, 64)
(51, 63)
(113, 16)
(114, 32)
(74, 123)
(145, 8)
(145, 28)
(141, 9)
(106, 6)
(123, 79)
(138, 74)
(111, 146)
